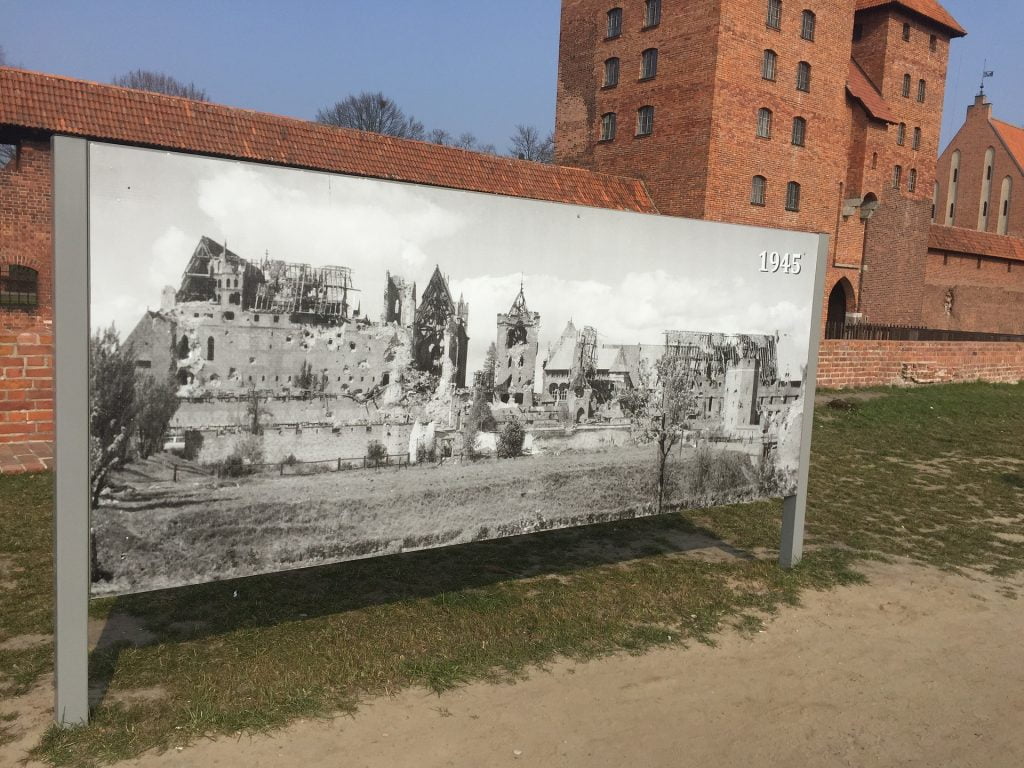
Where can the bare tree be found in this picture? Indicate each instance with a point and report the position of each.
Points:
(527, 144)
(372, 112)
(464, 140)
(158, 82)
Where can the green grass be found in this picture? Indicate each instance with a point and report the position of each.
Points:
(936, 475)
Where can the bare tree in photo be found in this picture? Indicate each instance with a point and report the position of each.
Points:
(256, 411)
(158, 82)
(112, 407)
(527, 144)
(372, 112)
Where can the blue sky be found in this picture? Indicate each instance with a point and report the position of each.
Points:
(460, 65)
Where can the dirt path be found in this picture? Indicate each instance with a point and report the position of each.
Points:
(917, 668)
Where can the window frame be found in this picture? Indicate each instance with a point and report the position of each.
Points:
(773, 19)
(901, 134)
(897, 176)
(769, 65)
(906, 31)
(612, 62)
(906, 85)
(793, 196)
(609, 126)
(648, 57)
(916, 141)
(759, 191)
(808, 25)
(652, 13)
(644, 114)
(922, 90)
(764, 123)
(912, 180)
(19, 287)
(614, 29)
(799, 131)
(803, 76)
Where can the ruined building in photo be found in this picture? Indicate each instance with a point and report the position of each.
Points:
(285, 329)
(516, 353)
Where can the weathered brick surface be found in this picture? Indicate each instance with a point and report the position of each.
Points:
(26, 338)
(847, 364)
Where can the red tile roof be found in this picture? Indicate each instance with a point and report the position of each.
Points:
(930, 9)
(62, 105)
(1013, 138)
(864, 91)
(975, 243)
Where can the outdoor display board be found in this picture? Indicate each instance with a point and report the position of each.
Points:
(291, 368)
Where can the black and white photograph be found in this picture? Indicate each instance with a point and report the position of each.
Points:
(291, 368)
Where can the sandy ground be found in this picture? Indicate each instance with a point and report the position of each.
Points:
(917, 668)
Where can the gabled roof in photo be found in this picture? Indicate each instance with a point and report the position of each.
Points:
(61, 105)
(1013, 137)
(975, 243)
(930, 9)
(863, 90)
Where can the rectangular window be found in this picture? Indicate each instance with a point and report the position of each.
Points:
(645, 121)
(608, 126)
(897, 176)
(649, 64)
(19, 287)
(933, 43)
(774, 14)
(799, 131)
(764, 123)
(901, 134)
(803, 76)
(917, 138)
(912, 180)
(614, 22)
(906, 86)
(768, 65)
(807, 26)
(920, 90)
(652, 14)
(906, 32)
(758, 190)
(792, 196)
(611, 73)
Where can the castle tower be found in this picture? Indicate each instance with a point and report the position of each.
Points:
(399, 301)
(516, 359)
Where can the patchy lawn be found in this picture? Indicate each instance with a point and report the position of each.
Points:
(935, 474)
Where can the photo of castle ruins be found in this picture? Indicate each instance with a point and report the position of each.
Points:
(288, 414)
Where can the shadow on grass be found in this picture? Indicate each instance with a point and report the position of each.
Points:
(206, 610)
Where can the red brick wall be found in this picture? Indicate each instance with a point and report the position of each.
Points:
(847, 364)
(988, 293)
(26, 338)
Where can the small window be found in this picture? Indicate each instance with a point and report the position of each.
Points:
(608, 126)
(906, 32)
(209, 348)
(652, 13)
(874, 160)
(799, 131)
(611, 72)
(769, 65)
(901, 134)
(858, 32)
(988, 173)
(897, 176)
(906, 86)
(645, 121)
(19, 287)
(803, 76)
(614, 22)
(758, 190)
(933, 43)
(228, 315)
(255, 318)
(792, 196)
(808, 21)
(649, 64)
(921, 86)
(912, 180)
(956, 175)
(764, 123)
(774, 14)
(917, 138)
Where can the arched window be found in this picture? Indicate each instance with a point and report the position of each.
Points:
(769, 64)
(792, 196)
(954, 180)
(921, 87)
(19, 287)
(986, 189)
(774, 19)
(912, 180)
(183, 347)
(874, 160)
(764, 123)
(652, 13)
(649, 64)
(1004, 205)
(608, 126)
(901, 134)
(897, 176)
(906, 86)
(803, 76)
(645, 120)
(807, 25)
(799, 131)
(614, 22)
(611, 72)
(917, 138)
(209, 348)
(758, 190)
